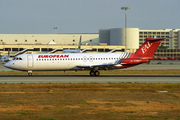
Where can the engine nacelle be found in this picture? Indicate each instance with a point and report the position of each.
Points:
(134, 61)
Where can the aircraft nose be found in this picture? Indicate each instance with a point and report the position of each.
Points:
(7, 65)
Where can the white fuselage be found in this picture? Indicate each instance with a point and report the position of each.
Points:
(64, 61)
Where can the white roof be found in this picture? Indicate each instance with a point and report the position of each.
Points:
(51, 42)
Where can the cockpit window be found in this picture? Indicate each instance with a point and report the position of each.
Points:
(18, 58)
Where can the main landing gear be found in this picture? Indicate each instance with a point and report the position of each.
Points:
(94, 73)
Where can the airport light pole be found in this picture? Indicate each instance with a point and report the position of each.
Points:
(125, 9)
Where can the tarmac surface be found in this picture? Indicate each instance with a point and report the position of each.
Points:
(153, 65)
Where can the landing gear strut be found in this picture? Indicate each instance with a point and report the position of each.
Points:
(94, 73)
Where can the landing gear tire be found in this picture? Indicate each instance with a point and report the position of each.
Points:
(91, 73)
(30, 74)
(94, 73)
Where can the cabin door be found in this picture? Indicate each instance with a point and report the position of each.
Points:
(30, 61)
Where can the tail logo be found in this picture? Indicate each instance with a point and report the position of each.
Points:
(145, 48)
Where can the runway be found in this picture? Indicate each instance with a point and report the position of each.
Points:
(153, 65)
(90, 79)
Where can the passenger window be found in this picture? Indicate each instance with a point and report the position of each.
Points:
(20, 58)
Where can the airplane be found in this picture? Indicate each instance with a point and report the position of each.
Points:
(85, 61)
(76, 50)
(5, 59)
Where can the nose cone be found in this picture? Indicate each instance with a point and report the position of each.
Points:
(7, 65)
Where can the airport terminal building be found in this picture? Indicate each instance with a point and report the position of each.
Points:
(119, 39)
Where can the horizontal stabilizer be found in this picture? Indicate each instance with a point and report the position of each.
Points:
(155, 39)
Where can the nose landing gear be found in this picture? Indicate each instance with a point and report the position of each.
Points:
(30, 73)
(94, 73)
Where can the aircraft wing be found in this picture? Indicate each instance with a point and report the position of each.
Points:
(100, 66)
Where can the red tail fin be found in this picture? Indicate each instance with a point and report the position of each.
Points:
(148, 48)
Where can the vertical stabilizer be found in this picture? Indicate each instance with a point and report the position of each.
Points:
(148, 48)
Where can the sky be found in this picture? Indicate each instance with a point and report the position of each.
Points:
(86, 16)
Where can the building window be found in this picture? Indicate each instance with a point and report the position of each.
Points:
(35, 40)
(44, 49)
(73, 40)
(7, 49)
(14, 49)
(15, 40)
(1, 40)
(90, 40)
(36, 49)
(25, 40)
